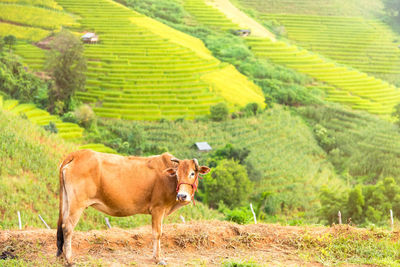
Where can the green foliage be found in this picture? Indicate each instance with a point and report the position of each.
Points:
(168, 10)
(228, 152)
(396, 114)
(358, 144)
(85, 116)
(17, 83)
(229, 183)
(363, 204)
(242, 215)
(125, 138)
(10, 41)
(67, 66)
(219, 112)
(392, 7)
(251, 109)
(51, 127)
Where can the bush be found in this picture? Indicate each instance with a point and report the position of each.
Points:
(85, 116)
(241, 215)
(229, 183)
(219, 112)
(251, 109)
(19, 84)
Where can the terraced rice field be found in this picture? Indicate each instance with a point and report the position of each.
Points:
(349, 86)
(68, 131)
(144, 70)
(368, 45)
(208, 15)
(360, 8)
(31, 55)
(32, 20)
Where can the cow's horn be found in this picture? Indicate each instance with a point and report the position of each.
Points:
(175, 160)
(196, 163)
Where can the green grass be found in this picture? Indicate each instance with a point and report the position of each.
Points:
(23, 32)
(29, 158)
(378, 248)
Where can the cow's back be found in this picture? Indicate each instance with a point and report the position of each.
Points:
(114, 184)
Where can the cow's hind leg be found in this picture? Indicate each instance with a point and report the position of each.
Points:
(157, 218)
(68, 226)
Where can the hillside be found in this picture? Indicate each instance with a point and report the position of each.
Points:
(138, 58)
(210, 244)
(29, 160)
(275, 140)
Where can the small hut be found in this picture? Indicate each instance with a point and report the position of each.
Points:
(203, 146)
(90, 38)
(243, 32)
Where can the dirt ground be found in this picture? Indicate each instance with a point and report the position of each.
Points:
(207, 243)
(241, 18)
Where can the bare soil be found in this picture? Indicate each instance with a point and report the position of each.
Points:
(241, 18)
(207, 243)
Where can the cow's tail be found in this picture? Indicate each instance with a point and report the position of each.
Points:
(63, 199)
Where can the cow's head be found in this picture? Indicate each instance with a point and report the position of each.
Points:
(187, 175)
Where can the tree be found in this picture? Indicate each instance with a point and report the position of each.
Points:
(67, 66)
(219, 112)
(355, 204)
(228, 183)
(392, 7)
(10, 40)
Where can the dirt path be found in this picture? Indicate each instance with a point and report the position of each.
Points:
(241, 18)
(209, 243)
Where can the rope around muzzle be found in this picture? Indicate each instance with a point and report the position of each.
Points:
(194, 187)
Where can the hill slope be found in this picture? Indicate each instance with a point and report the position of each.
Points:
(142, 69)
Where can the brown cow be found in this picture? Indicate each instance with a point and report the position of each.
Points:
(123, 186)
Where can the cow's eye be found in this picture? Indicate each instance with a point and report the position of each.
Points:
(191, 175)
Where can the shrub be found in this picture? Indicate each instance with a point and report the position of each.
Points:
(219, 112)
(85, 116)
(251, 109)
(238, 215)
(10, 41)
(228, 183)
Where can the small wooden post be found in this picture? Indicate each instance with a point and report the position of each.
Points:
(107, 222)
(19, 220)
(254, 214)
(183, 219)
(391, 219)
(40, 217)
(339, 217)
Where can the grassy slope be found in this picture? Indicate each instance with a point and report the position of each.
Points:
(29, 159)
(282, 148)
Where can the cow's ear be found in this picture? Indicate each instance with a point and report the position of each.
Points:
(171, 172)
(204, 170)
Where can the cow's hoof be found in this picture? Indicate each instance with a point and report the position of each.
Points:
(162, 262)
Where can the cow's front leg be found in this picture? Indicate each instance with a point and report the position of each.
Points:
(157, 218)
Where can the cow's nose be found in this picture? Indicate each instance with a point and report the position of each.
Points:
(181, 197)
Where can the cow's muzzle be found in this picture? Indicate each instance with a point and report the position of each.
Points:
(183, 197)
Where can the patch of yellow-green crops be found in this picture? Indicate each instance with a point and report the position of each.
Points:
(41, 3)
(23, 32)
(29, 182)
(35, 16)
(233, 92)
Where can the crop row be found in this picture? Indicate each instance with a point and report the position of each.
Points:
(40, 3)
(35, 16)
(209, 15)
(364, 92)
(345, 38)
